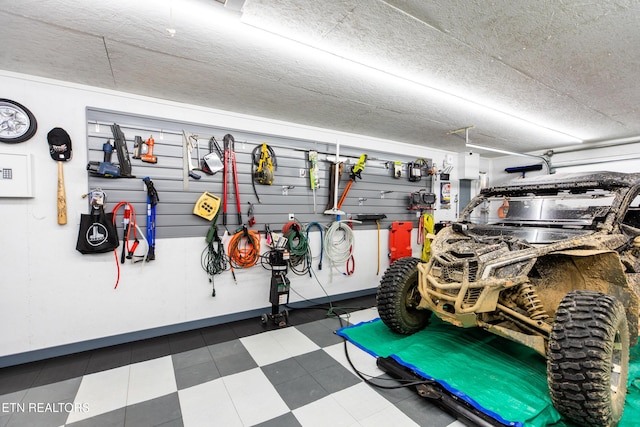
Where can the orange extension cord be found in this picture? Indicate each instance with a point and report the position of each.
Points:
(244, 248)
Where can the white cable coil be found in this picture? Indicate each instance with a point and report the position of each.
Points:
(338, 241)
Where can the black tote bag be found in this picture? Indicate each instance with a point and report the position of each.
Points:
(97, 233)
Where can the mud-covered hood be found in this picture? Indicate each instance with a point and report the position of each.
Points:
(466, 245)
(504, 255)
(456, 255)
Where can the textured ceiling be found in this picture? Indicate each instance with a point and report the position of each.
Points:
(527, 75)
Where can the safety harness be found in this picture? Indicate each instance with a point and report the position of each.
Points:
(262, 167)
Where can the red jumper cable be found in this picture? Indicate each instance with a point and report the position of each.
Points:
(230, 158)
(129, 223)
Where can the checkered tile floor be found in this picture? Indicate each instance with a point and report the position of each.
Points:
(240, 374)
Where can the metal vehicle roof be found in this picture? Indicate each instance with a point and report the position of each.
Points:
(567, 181)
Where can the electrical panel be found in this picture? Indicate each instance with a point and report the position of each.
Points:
(16, 178)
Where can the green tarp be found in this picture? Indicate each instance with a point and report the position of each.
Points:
(503, 379)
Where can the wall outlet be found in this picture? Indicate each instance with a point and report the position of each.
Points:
(292, 217)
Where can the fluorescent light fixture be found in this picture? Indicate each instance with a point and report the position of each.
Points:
(495, 150)
(235, 5)
(545, 160)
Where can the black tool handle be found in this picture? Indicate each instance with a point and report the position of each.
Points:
(108, 150)
(124, 245)
(152, 253)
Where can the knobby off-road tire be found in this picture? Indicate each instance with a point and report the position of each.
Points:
(398, 296)
(588, 358)
(17, 122)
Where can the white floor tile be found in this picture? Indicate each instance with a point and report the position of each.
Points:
(294, 342)
(457, 424)
(101, 392)
(274, 346)
(208, 404)
(390, 416)
(363, 315)
(151, 379)
(263, 348)
(361, 401)
(254, 397)
(363, 361)
(324, 412)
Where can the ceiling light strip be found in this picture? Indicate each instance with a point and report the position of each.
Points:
(254, 23)
(496, 150)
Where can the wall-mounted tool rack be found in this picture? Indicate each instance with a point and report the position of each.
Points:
(377, 193)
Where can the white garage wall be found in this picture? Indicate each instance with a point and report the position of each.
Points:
(53, 300)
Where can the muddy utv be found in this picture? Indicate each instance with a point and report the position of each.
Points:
(551, 262)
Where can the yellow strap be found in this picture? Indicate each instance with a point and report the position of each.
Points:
(428, 227)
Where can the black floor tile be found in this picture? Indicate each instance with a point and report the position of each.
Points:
(318, 313)
(109, 419)
(335, 378)
(173, 423)
(63, 368)
(283, 371)
(247, 327)
(9, 404)
(230, 365)
(148, 349)
(196, 374)
(4, 418)
(191, 357)
(23, 419)
(45, 406)
(218, 334)
(164, 410)
(39, 414)
(62, 391)
(194, 367)
(316, 361)
(19, 377)
(423, 412)
(106, 358)
(185, 341)
(332, 323)
(300, 391)
(320, 334)
(231, 357)
(305, 315)
(286, 420)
